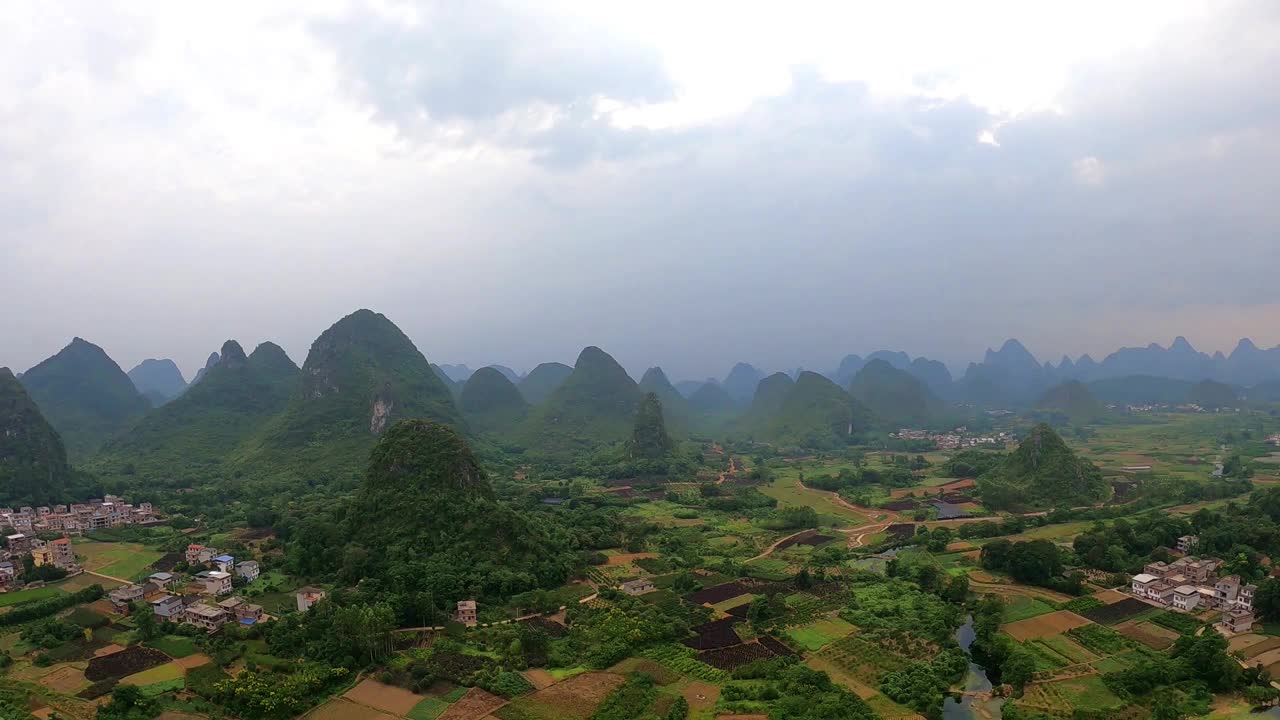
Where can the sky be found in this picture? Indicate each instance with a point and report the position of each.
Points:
(682, 184)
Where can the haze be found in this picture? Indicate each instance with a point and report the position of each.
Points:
(681, 186)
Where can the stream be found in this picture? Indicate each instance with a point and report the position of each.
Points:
(969, 707)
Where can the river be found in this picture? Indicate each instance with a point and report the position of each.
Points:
(975, 681)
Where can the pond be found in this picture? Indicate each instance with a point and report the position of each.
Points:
(975, 681)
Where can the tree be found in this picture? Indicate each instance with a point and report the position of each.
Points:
(1267, 600)
(649, 438)
(1018, 668)
(957, 589)
(145, 620)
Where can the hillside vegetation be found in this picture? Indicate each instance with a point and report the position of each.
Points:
(85, 395)
(33, 462)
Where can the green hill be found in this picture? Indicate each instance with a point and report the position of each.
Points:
(158, 380)
(446, 527)
(1042, 472)
(817, 413)
(1072, 399)
(810, 412)
(679, 413)
(1140, 389)
(490, 402)
(710, 398)
(361, 375)
(454, 387)
(1210, 395)
(895, 397)
(33, 462)
(85, 396)
(595, 405)
(649, 438)
(543, 380)
(770, 393)
(204, 427)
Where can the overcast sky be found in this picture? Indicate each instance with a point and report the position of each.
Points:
(684, 184)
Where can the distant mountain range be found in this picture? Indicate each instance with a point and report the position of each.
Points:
(260, 414)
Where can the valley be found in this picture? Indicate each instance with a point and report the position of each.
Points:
(366, 536)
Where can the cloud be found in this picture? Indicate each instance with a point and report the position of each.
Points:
(510, 182)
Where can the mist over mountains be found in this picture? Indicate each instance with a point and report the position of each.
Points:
(260, 412)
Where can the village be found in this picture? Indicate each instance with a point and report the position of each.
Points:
(1190, 585)
(957, 439)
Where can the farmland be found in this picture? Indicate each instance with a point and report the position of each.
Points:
(122, 560)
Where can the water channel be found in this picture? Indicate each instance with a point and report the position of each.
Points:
(971, 706)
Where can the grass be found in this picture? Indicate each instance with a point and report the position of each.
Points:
(428, 709)
(159, 673)
(769, 568)
(818, 635)
(787, 491)
(173, 645)
(1088, 693)
(1023, 607)
(122, 560)
(22, 596)
(164, 686)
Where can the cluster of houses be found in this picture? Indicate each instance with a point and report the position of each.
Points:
(79, 518)
(28, 523)
(57, 553)
(1274, 439)
(203, 609)
(957, 439)
(1191, 584)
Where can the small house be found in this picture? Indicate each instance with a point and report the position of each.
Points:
(225, 563)
(168, 607)
(637, 587)
(466, 613)
(307, 597)
(248, 569)
(1186, 598)
(1237, 621)
(124, 596)
(164, 580)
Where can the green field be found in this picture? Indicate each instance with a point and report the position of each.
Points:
(160, 673)
(173, 645)
(1023, 607)
(818, 635)
(787, 491)
(21, 596)
(428, 709)
(121, 560)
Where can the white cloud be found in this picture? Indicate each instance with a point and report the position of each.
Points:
(685, 184)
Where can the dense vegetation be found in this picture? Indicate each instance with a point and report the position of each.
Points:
(895, 397)
(85, 396)
(1043, 471)
(596, 404)
(361, 375)
(33, 463)
(207, 425)
(490, 401)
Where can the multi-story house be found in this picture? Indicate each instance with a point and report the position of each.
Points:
(1186, 598)
(466, 613)
(215, 582)
(64, 556)
(225, 563)
(307, 597)
(208, 617)
(123, 596)
(1236, 621)
(1187, 544)
(248, 569)
(168, 607)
